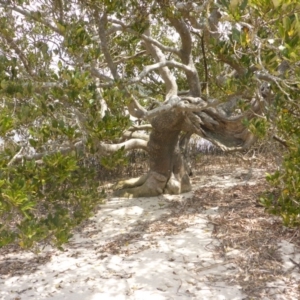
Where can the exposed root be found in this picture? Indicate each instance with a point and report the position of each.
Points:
(130, 183)
(176, 186)
(151, 185)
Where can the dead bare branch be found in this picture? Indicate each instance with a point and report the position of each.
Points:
(102, 148)
(127, 145)
(150, 68)
(167, 76)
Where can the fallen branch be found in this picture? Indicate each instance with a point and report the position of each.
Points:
(281, 141)
(101, 147)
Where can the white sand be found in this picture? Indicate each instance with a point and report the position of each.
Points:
(147, 262)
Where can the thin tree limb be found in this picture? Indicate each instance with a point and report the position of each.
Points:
(160, 45)
(150, 68)
(167, 76)
(101, 24)
(30, 14)
(121, 26)
(185, 51)
(140, 127)
(18, 51)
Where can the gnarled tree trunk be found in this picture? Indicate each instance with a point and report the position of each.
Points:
(168, 170)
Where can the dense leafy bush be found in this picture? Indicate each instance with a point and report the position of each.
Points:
(42, 202)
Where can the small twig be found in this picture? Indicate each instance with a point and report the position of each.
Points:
(281, 141)
(212, 266)
(293, 236)
(179, 286)
(205, 85)
(16, 157)
(295, 263)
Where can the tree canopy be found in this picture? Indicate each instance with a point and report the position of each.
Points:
(76, 74)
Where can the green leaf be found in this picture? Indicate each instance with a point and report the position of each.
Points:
(33, 142)
(243, 4)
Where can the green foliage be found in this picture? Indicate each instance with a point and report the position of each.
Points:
(268, 42)
(114, 160)
(43, 202)
(258, 126)
(49, 103)
(285, 200)
(286, 180)
(284, 114)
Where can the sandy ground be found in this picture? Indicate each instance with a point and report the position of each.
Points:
(143, 248)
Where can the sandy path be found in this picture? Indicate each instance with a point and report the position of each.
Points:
(151, 248)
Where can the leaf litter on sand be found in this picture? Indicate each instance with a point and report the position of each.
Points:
(250, 238)
(226, 196)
